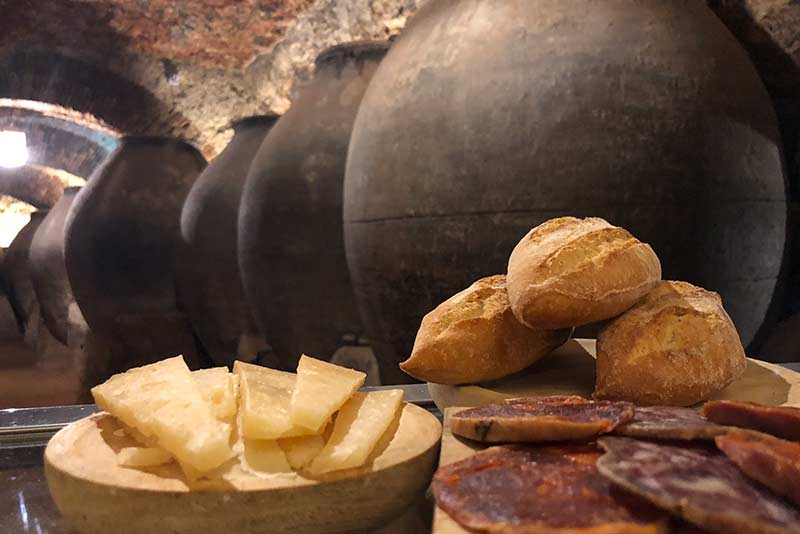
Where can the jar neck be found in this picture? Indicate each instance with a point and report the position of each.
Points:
(355, 52)
(255, 121)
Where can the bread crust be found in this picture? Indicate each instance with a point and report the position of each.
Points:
(474, 337)
(569, 272)
(676, 347)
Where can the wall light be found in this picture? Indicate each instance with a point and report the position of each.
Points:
(13, 149)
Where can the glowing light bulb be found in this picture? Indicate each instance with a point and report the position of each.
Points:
(13, 149)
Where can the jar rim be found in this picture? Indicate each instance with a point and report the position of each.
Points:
(353, 50)
(267, 119)
(155, 140)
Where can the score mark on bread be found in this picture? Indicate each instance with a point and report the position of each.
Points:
(676, 347)
(570, 272)
(474, 337)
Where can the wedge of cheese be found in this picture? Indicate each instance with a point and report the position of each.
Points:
(141, 439)
(359, 426)
(263, 456)
(321, 389)
(264, 402)
(163, 400)
(143, 456)
(220, 388)
(302, 450)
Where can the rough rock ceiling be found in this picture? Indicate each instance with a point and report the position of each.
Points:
(276, 76)
(213, 61)
(225, 34)
(207, 61)
(196, 65)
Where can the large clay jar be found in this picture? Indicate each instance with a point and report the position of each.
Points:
(487, 118)
(121, 236)
(47, 268)
(291, 247)
(208, 281)
(18, 272)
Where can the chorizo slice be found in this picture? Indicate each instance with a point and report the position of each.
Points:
(536, 420)
(545, 489)
(780, 421)
(773, 462)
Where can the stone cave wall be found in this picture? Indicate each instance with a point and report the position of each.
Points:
(205, 63)
(192, 67)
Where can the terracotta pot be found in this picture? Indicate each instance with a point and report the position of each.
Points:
(47, 268)
(488, 118)
(291, 247)
(120, 241)
(18, 272)
(208, 282)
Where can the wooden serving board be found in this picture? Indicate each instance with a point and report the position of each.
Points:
(97, 496)
(570, 370)
(454, 449)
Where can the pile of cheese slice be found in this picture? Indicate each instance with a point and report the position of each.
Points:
(257, 419)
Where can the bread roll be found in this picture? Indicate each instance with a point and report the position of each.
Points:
(571, 272)
(676, 347)
(474, 337)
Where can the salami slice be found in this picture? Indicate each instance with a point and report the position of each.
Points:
(698, 483)
(552, 399)
(540, 490)
(781, 421)
(668, 422)
(773, 462)
(535, 421)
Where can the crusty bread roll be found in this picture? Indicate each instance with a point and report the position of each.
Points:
(474, 337)
(676, 347)
(571, 272)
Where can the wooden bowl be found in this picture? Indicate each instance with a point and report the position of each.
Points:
(95, 495)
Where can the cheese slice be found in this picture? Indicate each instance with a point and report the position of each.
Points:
(141, 439)
(359, 426)
(163, 400)
(321, 389)
(220, 388)
(263, 456)
(301, 450)
(264, 402)
(143, 456)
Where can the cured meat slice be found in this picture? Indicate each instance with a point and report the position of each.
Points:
(773, 462)
(781, 421)
(535, 490)
(667, 422)
(698, 483)
(534, 421)
(553, 399)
